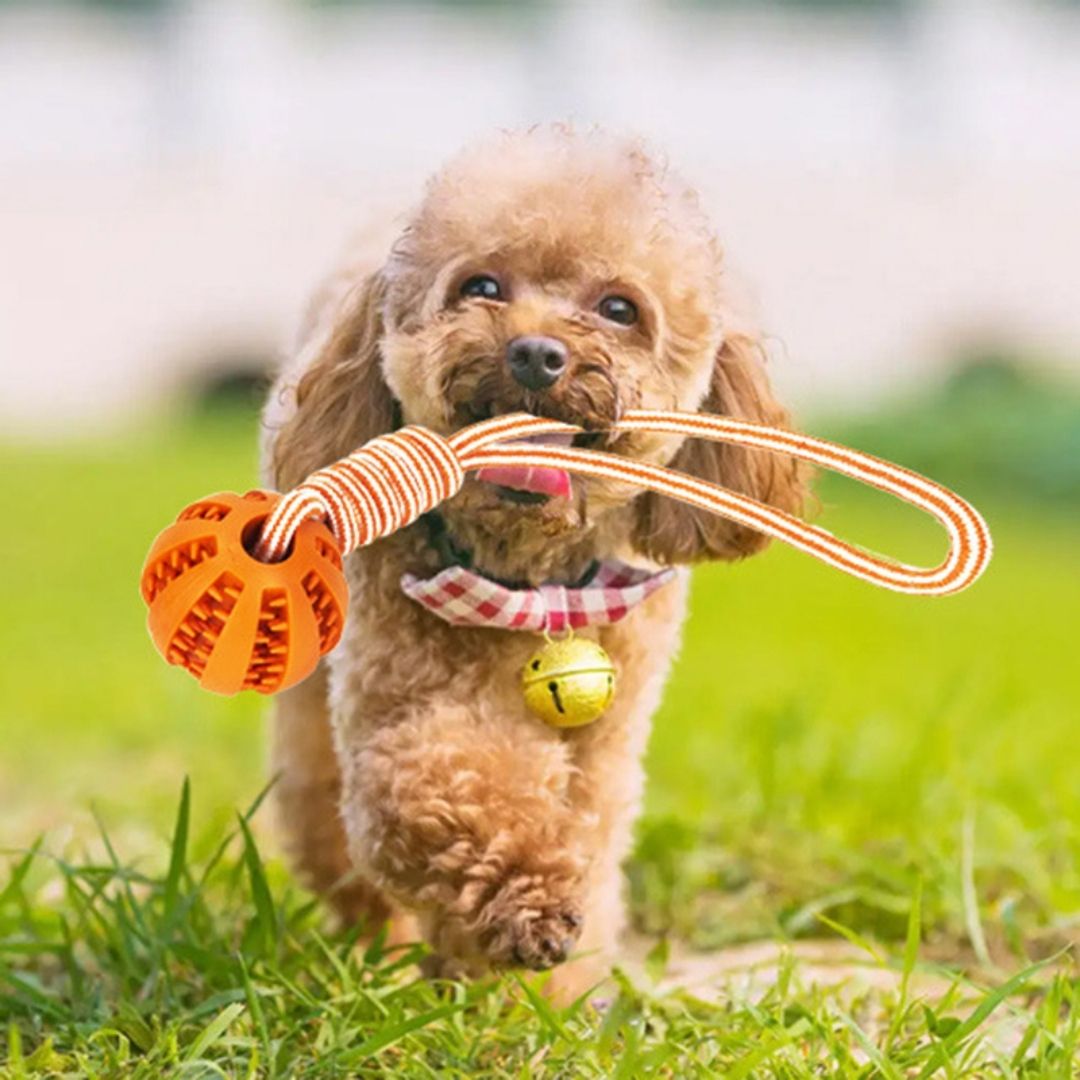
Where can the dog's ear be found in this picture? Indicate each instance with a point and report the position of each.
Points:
(341, 400)
(673, 532)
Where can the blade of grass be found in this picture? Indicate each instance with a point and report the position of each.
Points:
(255, 1008)
(394, 1032)
(120, 873)
(214, 1031)
(177, 856)
(852, 936)
(219, 853)
(14, 1051)
(18, 875)
(970, 896)
(265, 921)
(28, 988)
(912, 941)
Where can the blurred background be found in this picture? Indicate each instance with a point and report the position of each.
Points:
(897, 183)
(896, 179)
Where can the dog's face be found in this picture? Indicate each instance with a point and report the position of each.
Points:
(558, 280)
(564, 285)
(571, 277)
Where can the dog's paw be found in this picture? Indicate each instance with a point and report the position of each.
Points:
(534, 938)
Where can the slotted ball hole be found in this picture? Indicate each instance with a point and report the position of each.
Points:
(253, 532)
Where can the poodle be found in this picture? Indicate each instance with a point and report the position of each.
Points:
(572, 276)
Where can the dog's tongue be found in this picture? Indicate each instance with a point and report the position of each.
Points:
(541, 480)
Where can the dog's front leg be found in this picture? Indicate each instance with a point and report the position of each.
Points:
(465, 817)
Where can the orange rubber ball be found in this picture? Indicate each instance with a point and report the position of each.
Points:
(234, 622)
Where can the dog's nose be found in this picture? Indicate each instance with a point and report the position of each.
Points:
(536, 362)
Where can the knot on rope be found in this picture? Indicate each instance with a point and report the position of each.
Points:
(382, 487)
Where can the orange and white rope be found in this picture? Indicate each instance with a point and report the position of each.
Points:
(389, 482)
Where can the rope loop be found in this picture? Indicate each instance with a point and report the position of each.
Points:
(394, 479)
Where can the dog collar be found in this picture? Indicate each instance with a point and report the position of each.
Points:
(463, 597)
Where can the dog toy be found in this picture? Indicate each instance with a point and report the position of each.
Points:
(234, 622)
(248, 592)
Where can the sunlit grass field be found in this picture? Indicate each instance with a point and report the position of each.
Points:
(830, 761)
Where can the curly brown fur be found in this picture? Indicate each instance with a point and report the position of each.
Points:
(419, 782)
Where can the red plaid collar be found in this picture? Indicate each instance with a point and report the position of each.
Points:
(465, 598)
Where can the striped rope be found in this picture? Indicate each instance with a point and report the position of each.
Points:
(389, 482)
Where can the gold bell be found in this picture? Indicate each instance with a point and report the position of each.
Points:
(569, 682)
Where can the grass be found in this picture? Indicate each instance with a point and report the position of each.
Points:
(831, 761)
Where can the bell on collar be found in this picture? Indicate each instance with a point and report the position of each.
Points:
(569, 683)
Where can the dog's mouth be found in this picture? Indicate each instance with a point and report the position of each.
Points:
(536, 485)
(531, 484)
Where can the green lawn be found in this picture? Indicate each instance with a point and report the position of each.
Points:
(830, 761)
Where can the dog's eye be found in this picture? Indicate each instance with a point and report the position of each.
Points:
(483, 286)
(618, 309)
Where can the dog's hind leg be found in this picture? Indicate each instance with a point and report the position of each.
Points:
(307, 793)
